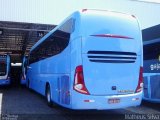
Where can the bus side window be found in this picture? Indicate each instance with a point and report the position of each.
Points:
(53, 44)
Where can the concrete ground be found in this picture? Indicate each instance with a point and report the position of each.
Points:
(23, 104)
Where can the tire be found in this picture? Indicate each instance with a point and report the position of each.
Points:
(48, 96)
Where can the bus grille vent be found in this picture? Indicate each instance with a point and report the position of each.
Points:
(112, 56)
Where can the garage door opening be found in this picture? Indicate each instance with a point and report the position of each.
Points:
(15, 74)
(16, 40)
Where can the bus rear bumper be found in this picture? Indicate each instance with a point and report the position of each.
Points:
(4, 82)
(81, 101)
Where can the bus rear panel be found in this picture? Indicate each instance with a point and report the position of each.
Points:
(109, 72)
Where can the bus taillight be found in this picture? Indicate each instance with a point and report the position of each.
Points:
(79, 84)
(140, 82)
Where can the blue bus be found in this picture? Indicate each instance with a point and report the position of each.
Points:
(5, 70)
(92, 60)
(151, 46)
(24, 71)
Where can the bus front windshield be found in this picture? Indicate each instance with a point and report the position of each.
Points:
(3, 68)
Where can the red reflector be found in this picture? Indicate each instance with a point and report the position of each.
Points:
(86, 100)
(91, 101)
(112, 36)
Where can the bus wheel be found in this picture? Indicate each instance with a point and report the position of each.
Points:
(48, 96)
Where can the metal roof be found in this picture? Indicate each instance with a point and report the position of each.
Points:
(17, 38)
(151, 33)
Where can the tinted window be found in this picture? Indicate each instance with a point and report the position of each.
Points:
(151, 51)
(3, 67)
(68, 26)
(54, 44)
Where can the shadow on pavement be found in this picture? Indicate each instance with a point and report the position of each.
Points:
(22, 104)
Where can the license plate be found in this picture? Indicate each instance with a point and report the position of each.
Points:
(113, 101)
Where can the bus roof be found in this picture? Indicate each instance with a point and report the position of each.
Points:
(80, 13)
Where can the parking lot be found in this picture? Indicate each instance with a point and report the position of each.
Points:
(21, 103)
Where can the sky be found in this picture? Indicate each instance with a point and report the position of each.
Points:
(55, 11)
(151, 1)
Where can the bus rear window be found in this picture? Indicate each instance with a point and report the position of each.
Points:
(3, 68)
(110, 23)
